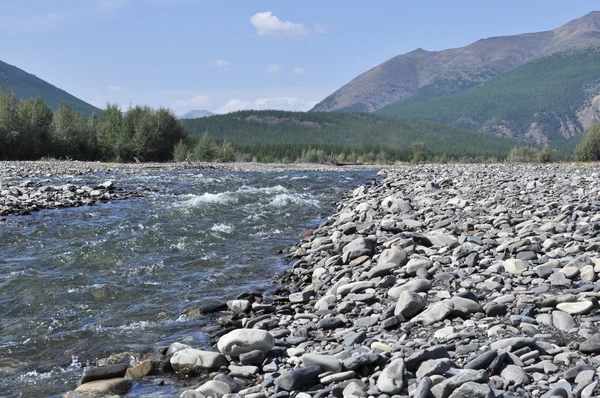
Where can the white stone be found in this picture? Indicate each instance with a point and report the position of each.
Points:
(240, 341)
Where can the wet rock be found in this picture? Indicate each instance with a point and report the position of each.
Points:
(116, 385)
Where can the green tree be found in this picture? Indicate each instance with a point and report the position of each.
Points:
(588, 149)
(108, 131)
(9, 124)
(545, 155)
(35, 119)
(419, 152)
(68, 135)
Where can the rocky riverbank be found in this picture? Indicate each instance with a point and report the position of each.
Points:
(23, 188)
(437, 281)
(31, 169)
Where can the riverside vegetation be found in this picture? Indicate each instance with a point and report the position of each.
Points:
(444, 281)
(30, 129)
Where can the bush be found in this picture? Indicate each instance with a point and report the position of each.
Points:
(545, 155)
(419, 152)
(181, 152)
(588, 149)
(522, 154)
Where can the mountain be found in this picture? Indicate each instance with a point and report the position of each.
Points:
(337, 132)
(456, 69)
(194, 114)
(27, 86)
(545, 101)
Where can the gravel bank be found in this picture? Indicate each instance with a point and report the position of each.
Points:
(22, 189)
(31, 169)
(438, 281)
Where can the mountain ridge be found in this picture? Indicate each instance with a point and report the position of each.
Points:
(460, 68)
(27, 85)
(195, 113)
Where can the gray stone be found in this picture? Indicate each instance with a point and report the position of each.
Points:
(515, 375)
(446, 387)
(559, 279)
(394, 255)
(563, 321)
(435, 312)
(255, 357)
(301, 297)
(415, 285)
(391, 379)
(433, 367)
(472, 390)
(330, 323)
(194, 360)
(352, 390)
(239, 306)
(423, 388)
(409, 304)
(465, 305)
(436, 352)
(295, 379)
(591, 345)
(482, 361)
(515, 266)
(214, 389)
(576, 308)
(328, 363)
(515, 342)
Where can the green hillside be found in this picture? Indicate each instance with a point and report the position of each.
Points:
(26, 86)
(545, 91)
(276, 130)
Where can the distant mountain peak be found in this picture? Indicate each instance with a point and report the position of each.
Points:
(195, 114)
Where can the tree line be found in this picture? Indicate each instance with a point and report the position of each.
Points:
(30, 129)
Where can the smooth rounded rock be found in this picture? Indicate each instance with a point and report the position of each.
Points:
(241, 341)
(191, 359)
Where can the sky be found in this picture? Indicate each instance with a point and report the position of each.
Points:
(224, 56)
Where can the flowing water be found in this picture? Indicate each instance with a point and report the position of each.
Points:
(81, 284)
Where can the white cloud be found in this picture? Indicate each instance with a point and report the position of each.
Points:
(267, 24)
(320, 28)
(274, 68)
(221, 63)
(117, 89)
(198, 101)
(283, 103)
(300, 71)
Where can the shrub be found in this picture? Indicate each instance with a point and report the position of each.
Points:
(419, 152)
(588, 149)
(522, 154)
(181, 152)
(545, 155)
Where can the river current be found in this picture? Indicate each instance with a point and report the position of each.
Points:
(83, 283)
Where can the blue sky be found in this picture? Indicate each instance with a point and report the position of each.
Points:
(224, 55)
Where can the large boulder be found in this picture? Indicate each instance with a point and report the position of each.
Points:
(194, 360)
(241, 341)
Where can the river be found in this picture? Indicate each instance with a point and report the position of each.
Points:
(83, 283)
